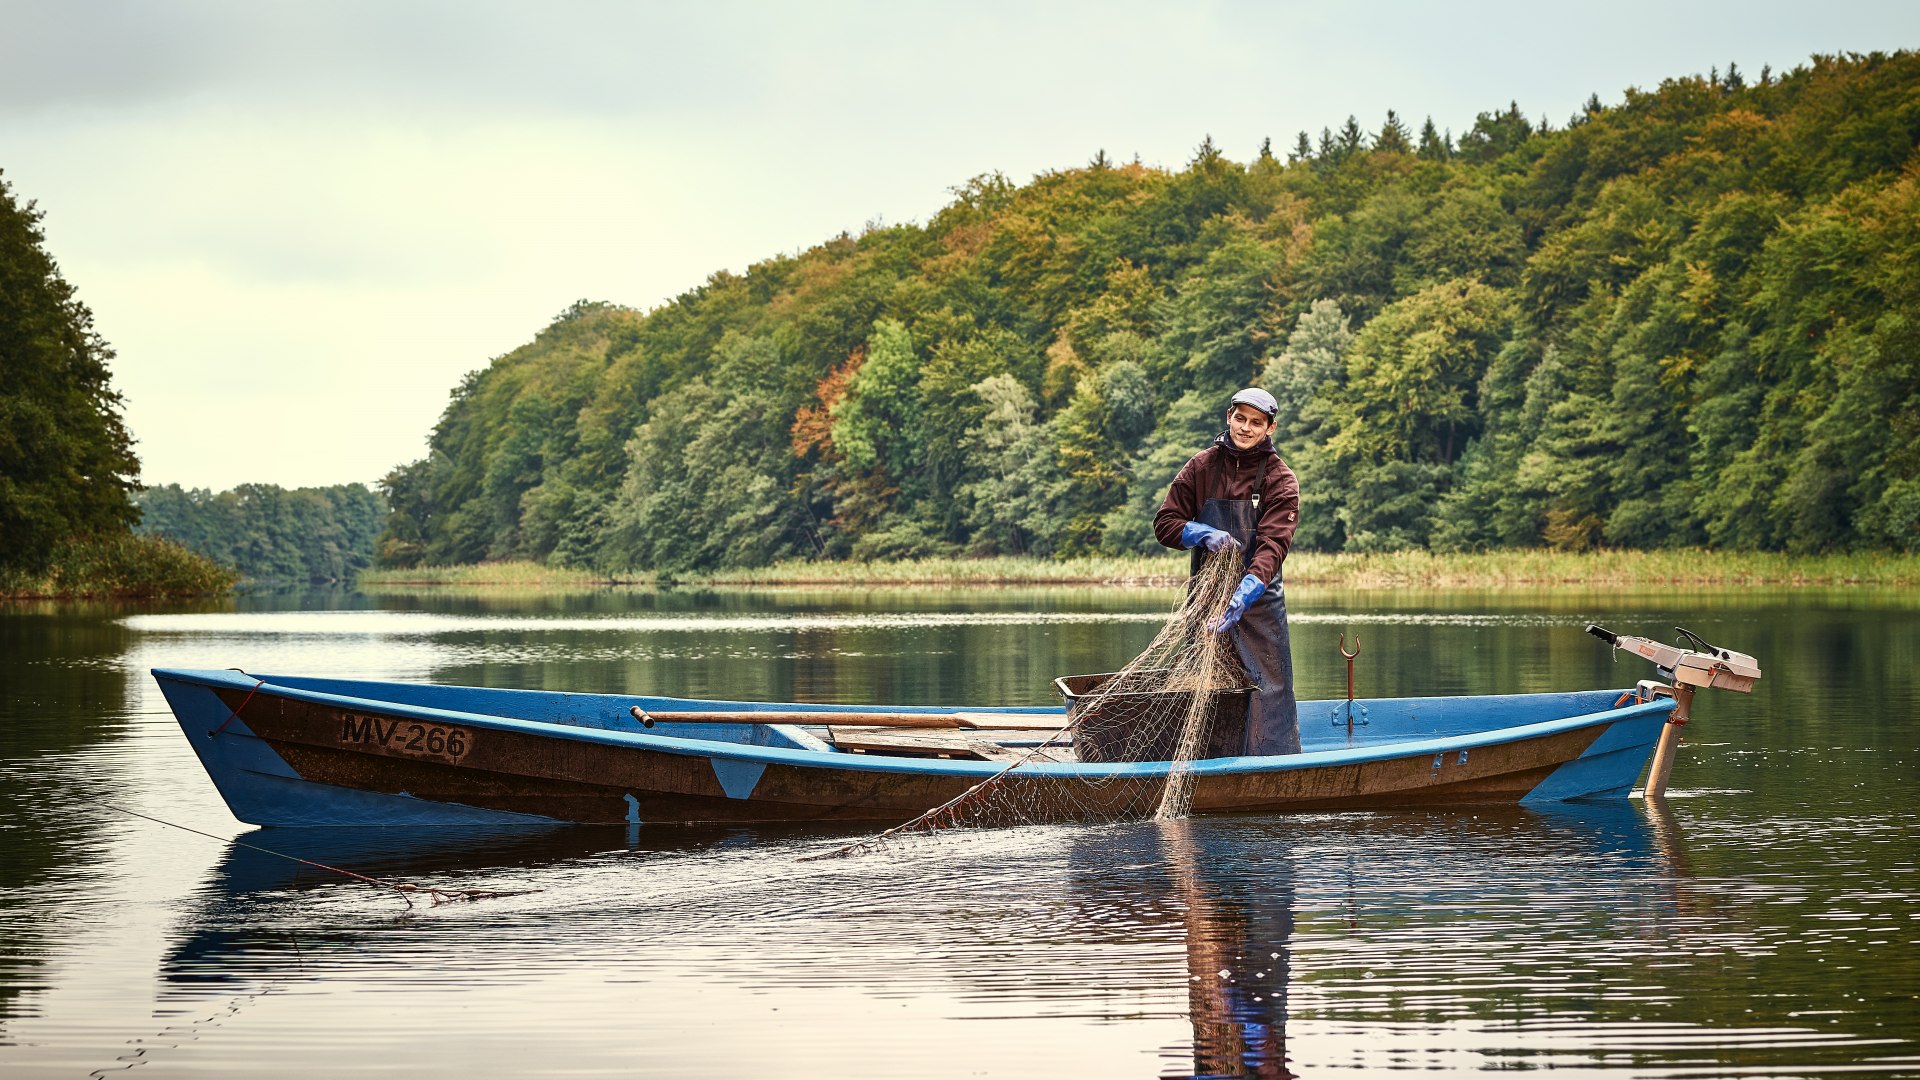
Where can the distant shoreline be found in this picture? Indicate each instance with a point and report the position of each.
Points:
(1533, 568)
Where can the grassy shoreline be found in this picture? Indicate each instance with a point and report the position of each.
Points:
(1531, 568)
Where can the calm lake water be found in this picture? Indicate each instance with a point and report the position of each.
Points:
(1764, 921)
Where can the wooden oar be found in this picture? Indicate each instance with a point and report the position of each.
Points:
(1002, 721)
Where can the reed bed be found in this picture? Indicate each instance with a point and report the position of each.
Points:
(1541, 567)
(507, 575)
(1530, 568)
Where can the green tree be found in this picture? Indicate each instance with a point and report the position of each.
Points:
(1215, 321)
(1350, 140)
(1412, 373)
(878, 423)
(1499, 497)
(269, 533)
(1394, 138)
(1408, 408)
(698, 493)
(1308, 374)
(1495, 135)
(67, 466)
(1434, 146)
(1185, 428)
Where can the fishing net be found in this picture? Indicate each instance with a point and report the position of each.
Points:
(1184, 697)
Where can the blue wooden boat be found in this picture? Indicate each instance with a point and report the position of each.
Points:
(300, 751)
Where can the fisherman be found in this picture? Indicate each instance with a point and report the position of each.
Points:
(1238, 492)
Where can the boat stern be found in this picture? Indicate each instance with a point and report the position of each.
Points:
(1608, 768)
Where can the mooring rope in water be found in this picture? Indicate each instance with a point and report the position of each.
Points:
(406, 891)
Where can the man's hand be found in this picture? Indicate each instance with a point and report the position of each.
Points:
(1251, 588)
(1193, 534)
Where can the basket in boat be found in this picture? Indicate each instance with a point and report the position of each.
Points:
(1120, 723)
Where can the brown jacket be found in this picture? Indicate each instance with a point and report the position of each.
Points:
(1203, 477)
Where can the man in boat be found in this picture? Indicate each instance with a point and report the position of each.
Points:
(1239, 492)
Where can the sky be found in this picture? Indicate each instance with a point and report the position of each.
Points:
(299, 225)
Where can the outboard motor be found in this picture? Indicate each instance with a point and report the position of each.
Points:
(1703, 665)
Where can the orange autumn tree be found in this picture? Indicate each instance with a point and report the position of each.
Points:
(850, 497)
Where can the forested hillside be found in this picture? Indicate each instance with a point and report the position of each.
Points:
(271, 533)
(1686, 318)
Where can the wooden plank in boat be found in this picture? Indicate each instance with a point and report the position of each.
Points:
(915, 721)
(993, 751)
(1010, 721)
(894, 741)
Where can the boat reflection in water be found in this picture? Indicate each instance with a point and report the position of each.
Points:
(256, 915)
(244, 926)
(1257, 938)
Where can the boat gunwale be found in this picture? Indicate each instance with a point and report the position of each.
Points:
(686, 746)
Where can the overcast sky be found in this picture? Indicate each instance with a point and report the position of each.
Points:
(300, 224)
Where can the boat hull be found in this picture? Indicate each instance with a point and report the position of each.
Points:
(297, 752)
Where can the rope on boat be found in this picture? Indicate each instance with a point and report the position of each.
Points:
(406, 891)
(234, 714)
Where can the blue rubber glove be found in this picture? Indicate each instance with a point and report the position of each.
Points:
(1251, 588)
(1194, 534)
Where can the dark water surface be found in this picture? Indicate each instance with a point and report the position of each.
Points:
(1764, 921)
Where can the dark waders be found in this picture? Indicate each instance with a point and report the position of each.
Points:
(1273, 717)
